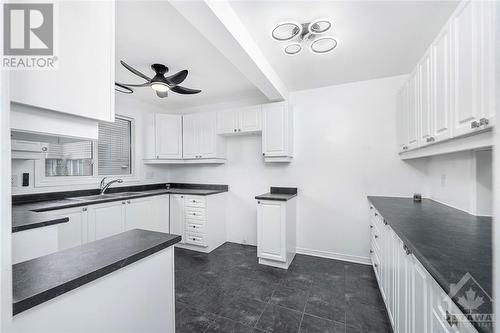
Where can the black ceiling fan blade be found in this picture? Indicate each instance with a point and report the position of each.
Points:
(162, 94)
(185, 91)
(122, 88)
(135, 71)
(177, 78)
(146, 84)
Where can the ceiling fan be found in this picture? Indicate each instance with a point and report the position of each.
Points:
(160, 83)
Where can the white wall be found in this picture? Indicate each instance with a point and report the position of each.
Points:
(345, 149)
(125, 106)
(462, 180)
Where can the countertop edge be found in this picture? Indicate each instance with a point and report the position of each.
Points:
(270, 197)
(40, 224)
(42, 297)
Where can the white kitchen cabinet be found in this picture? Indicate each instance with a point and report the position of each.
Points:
(200, 139)
(34, 243)
(240, 121)
(402, 118)
(276, 235)
(441, 85)
(200, 220)
(413, 108)
(83, 82)
(75, 231)
(149, 213)
(106, 219)
(277, 132)
(168, 136)
(425, 100)
(420, 292)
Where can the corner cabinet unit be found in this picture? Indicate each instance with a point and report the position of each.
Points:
(86, 53)
(451, 92)
(200, 220)
(244, 120)
(276, 232)
(277, 132)
(414, 301)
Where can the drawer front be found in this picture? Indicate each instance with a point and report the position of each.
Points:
(195, 213)
(195, 201)
(195, 239)
(195, 226)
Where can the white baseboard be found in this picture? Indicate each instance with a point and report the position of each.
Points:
(334, 255)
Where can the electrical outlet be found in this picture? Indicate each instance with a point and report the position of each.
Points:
(14, 180)
(443, 180)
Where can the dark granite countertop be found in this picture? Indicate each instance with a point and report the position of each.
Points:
(278, 194)
(448, 242)
(39, 280)
(28, 213)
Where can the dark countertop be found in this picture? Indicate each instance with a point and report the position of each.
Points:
(29, 214)
(39, 280)
(278, 194)
(448, 242)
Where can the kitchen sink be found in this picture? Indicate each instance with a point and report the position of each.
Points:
(94, 197)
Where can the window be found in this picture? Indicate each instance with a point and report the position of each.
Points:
(113, 150)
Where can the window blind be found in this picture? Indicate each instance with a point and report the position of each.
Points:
(114, 148)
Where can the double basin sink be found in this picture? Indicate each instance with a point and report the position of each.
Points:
(106, 196)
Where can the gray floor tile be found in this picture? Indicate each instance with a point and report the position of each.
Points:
(311, 324)
(367, 318)
(225, 325)
(291, 298)
(327, 306)
(256, 289)
(191, 320)
(279, 319)
(241, 309)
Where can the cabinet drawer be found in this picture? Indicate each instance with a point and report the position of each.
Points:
(195, 239)
(195, 213)
(195, 226)
(194, 201)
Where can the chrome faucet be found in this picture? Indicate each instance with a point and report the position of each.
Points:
(103, 186)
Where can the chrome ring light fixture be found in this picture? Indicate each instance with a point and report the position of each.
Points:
(306, 33)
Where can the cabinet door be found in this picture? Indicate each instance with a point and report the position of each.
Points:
(227, 122)
(441, 85)
(34, 243)
(106, 219)
(465, 54)
(207, 134)
(177, 215)
(275, 129)
(271, 230)
(404, 289)
(420, 291)
(75, 231)
(151, 213)
(190, 136)
(425, 102)
(85, 58)
(413, 118)
(250, 119)
(402, 118)
(168, 136)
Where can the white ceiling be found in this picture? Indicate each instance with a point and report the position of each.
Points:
(153, 31)
(376, 38)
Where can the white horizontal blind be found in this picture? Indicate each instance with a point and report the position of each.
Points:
(114, 148)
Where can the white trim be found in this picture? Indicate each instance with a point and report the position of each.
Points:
(334, 255)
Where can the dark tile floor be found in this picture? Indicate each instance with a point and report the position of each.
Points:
(228, 291)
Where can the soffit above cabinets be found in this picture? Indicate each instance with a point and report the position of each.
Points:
(150, 32)
(375, 38)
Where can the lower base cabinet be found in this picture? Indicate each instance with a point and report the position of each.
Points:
(276, 235)
(414, 300)
(200, 220)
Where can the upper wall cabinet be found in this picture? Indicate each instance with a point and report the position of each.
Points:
(200, 139)
(244, 120)
(277, 132)
(83, 83)
(163, 136)
(450, 93)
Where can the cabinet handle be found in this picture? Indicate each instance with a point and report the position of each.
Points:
(376, 214)
(371, 227)
(194, 227)
(263, 154)
(451, 319)
(194, 214)
(258, 202)
(430, 139)
(84, 209)
(182, 196)
(371, 207)
(385, 222)
(405, 147)
(239, 129)
(406, 249)
(123, 202)
(371, 251)
(376, 236)
(483, 122)
(157, 156)
(235, 129)
(128, 201)
(375, 265)
(474, 124)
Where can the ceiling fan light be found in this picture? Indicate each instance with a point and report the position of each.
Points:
(161, 87)
(292, 49)
(319, 26)
(286, 31)
(324, 45)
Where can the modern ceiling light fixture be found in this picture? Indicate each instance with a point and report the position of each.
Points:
(310, 33)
